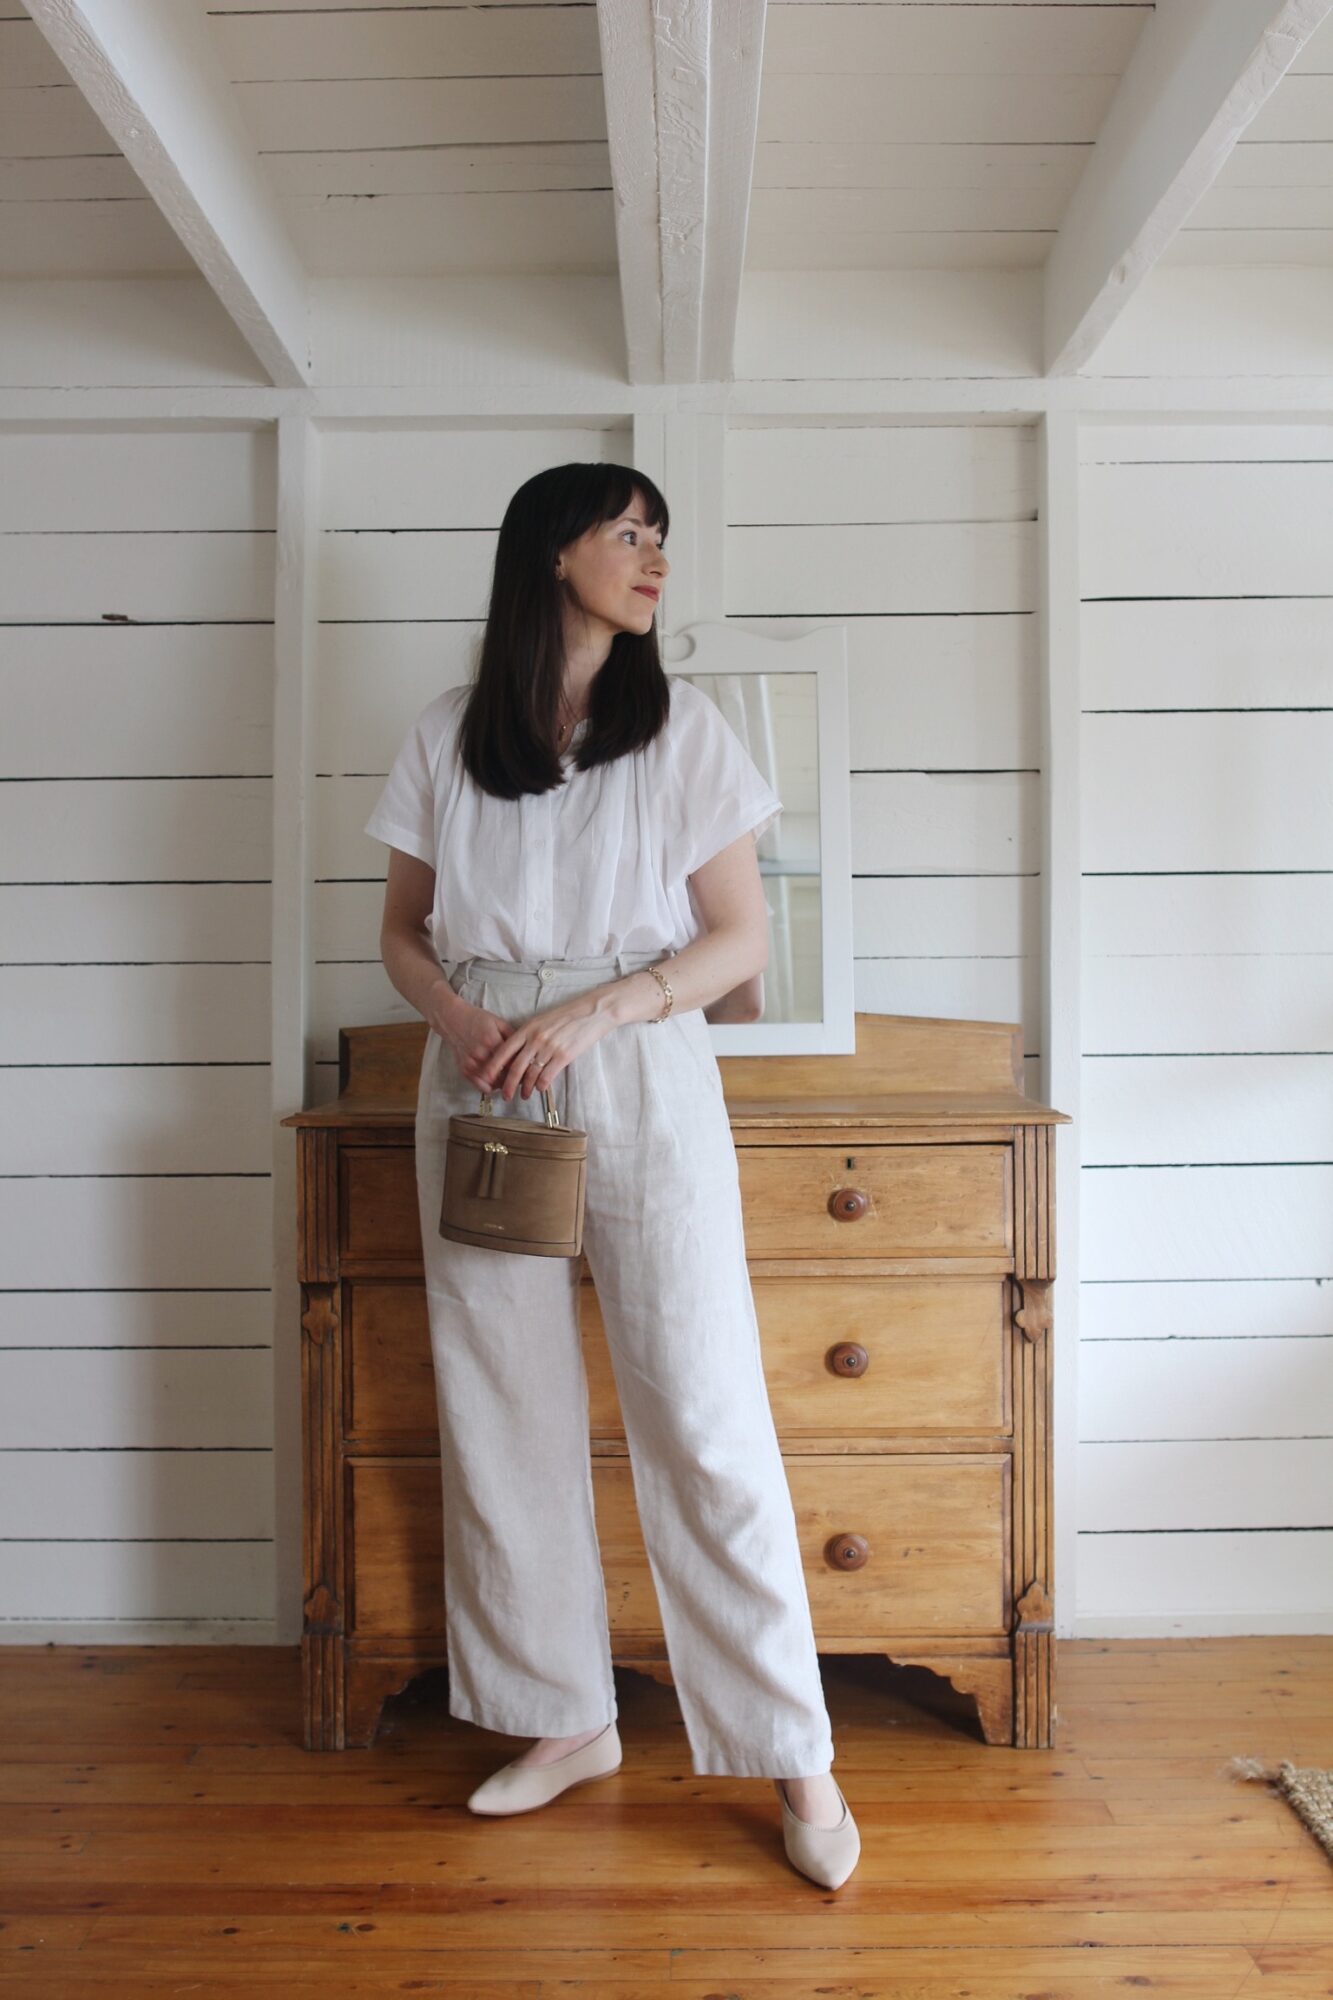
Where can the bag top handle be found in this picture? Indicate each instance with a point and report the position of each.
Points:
(552, 1116)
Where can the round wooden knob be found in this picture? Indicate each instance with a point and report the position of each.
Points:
(848, 1358)
(847, 1552)
(847, 1204)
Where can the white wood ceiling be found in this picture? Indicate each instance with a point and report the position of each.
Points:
(397, 139)
(939, 135)
(953, 135)
(423, 140)
(1272, 201)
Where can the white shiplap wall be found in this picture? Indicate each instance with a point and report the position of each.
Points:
(136, 1377)
(1206, 1355)
(408, 521)
(136, 1476)
(922, 540)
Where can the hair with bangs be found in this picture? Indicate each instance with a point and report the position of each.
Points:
(507, 735)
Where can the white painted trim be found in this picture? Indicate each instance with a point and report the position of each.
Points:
(1203, 1625)
(148, 70)
(1059, 607)
(626, 36)
(1200, 71)
(679, 50)
(708, 431)
(684, 451)
(141, 1632)
(1294, 399)
(263, 1632)
(291, 1054)
(1172, 399)
(681, 84)
(649, 452)
(730, 647)
(735, 66)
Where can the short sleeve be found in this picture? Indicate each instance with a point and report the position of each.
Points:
(404, 814)
(722, 791)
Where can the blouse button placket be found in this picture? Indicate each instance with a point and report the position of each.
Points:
(548, 906)
(529, 810)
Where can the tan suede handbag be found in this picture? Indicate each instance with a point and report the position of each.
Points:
(513, 1183)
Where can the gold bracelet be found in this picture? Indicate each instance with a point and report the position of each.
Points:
(656, 1018)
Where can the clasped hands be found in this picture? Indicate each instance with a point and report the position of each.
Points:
(502, 1058)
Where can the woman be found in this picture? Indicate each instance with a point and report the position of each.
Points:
(560, 830)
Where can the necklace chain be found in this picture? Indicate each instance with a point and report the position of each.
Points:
(574, 720)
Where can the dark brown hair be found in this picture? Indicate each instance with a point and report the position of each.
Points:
(507, 734)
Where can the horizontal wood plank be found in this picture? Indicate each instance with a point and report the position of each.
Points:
(1207, 1222)
(1233, 1388)
(1175, 1484)
(144, 1398)
(139, 1232)
(110, 1494)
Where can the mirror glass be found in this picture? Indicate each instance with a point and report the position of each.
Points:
(776, 717)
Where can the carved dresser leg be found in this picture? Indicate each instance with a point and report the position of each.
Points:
(1033, 1537)
(323, 1649)
(1034, 1664)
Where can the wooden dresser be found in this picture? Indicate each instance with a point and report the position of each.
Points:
(899, 1221)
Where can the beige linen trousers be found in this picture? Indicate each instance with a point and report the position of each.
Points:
(525, 1598)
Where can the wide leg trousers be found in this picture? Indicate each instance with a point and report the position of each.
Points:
(525, 1599)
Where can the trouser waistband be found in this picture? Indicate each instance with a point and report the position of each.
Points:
(551, 968)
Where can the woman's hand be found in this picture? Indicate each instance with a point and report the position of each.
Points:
(504, 1059)
(474, 1034)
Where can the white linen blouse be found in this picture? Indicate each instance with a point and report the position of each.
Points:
(598, 864)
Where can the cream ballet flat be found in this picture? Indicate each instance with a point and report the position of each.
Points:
(517, 1788)
(827, 1854)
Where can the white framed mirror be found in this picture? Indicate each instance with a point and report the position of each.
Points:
(787, 701)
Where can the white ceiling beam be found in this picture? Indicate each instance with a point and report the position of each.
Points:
(1200, 71)
(681, 81)
(148, 70)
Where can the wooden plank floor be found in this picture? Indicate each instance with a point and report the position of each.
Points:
(163, 1832)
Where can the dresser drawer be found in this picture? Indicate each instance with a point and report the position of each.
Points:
(389, 1375)
(851, 1357)
(909, 1544)
(888, 1201)
(877, 1201)
(394, 1548)
(873, 1356)
(395, 1518)
(930, 1533)
(388, 1371)
(379, 1219)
